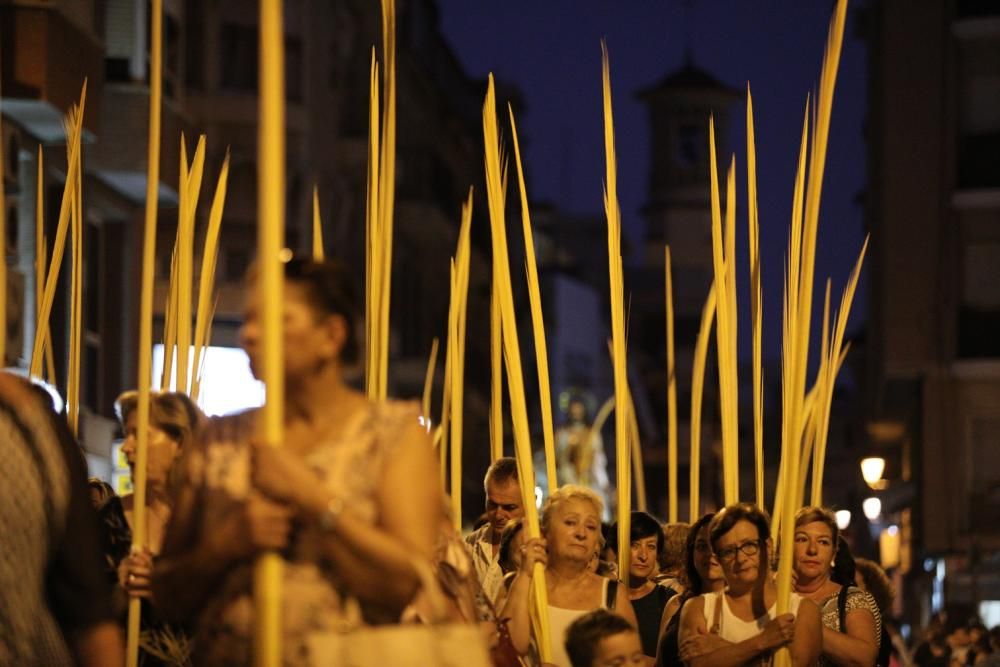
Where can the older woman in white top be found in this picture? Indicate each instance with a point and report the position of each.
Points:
(571, 528)
(740, 625)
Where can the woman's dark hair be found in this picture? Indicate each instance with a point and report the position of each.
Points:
(844, 566)
(510, 531)
(692, 580)
(329, 290)
(877, 583)
(102, 489)
(729, 516)
(642, 525)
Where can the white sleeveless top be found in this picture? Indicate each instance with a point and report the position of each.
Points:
(734, 629)
(559, 621)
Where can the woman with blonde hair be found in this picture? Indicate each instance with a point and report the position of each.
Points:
(571, 528)
(173, 421)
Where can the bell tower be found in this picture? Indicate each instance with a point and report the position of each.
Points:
(677, 209)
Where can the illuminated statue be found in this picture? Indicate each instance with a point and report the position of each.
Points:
(580, 457)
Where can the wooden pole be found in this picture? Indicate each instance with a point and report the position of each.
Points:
(59, 243)
(460, 292)
(270, 283)
(41, 259)
(387, 182)
(697, 393)
(75, 310)
(170, 351)
(144, 356)
(537, 319)
(512, 358)
(429, 382)
(724, 264)
(170, 324)
(671, 394)
(496, 373)
(373, 254)
(756, 308)
(317, 249)
(613, 214)
(185, 266)
(635, 444)
(801, 312)
(789, 323)
(206, 285)
(837, 354)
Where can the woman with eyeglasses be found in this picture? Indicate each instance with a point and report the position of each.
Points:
(740, 625)
(701, 574)
(852, 624)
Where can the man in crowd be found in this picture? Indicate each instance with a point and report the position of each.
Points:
(503, 504)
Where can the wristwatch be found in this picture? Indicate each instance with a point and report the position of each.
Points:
(330, 516)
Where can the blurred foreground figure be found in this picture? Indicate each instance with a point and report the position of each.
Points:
(350, 498)
(55, 606)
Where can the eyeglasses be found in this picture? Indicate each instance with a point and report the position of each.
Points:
(748, 549)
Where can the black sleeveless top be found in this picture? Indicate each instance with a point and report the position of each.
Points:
(648, 612)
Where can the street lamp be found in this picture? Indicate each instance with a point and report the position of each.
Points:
(872, 469)
(843, 519)
(872, 508)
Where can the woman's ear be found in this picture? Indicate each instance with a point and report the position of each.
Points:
(337, 330)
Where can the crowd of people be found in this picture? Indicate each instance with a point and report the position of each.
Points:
(353, 502)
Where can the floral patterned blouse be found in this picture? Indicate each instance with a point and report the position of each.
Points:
(314, 598)
(855, 599)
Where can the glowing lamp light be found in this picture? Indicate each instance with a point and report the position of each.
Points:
(843, 519)
(872, 508)
(872, 469)
(889, 547)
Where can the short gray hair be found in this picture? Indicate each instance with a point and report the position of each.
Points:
(569, 492)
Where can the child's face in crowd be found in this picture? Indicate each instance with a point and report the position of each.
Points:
(621, 650)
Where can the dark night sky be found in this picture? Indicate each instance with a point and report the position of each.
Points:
(551, 50)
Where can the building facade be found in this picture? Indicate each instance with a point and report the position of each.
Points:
(933, 209)
(210, 87)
